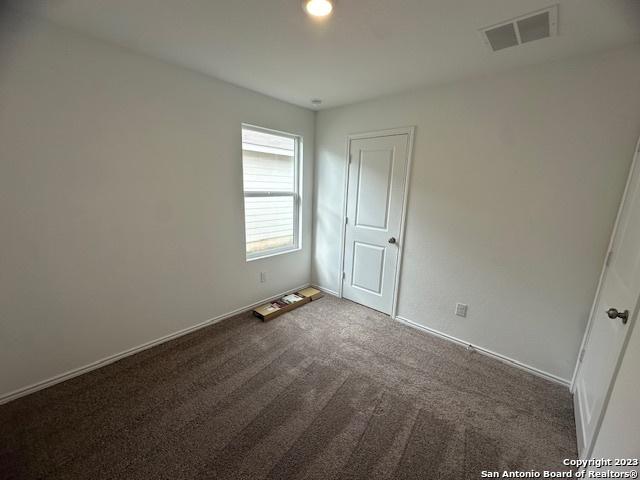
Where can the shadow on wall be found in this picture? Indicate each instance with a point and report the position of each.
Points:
(9, 10)
(630, 11)
(12, 21)
(328, 220)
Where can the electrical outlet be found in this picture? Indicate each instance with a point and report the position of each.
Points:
(461, 309)
(263, 277)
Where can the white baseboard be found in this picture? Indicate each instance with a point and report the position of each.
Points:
(487, 352)
(21, 392)
(577, 412)
(326, 290)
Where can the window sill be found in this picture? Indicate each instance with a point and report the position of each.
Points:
(273, 254)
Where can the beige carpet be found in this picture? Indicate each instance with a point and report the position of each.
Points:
(330, 390)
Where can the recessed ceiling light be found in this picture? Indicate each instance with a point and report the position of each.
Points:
(318, 8)
(316, 101)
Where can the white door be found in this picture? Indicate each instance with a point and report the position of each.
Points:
(617, 299)
(375, 197)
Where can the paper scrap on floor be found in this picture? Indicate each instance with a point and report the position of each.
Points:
(293, 298)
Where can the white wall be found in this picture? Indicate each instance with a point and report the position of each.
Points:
(514, 190)
(121, 201)
(619, 435)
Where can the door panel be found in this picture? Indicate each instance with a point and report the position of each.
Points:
(374, 188)
(368, 267)
(377, 172)
(620, 289)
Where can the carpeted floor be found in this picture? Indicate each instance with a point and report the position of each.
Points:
(330, 390)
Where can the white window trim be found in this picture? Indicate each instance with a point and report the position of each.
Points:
(296, 194)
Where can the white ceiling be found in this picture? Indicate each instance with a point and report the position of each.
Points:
(366, 49)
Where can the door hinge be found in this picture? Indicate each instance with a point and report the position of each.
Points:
(582, 352)
(350, 157)
(346, 220)
(344, 275)
(609, 257)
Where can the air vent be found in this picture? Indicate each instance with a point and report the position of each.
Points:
(527, 28)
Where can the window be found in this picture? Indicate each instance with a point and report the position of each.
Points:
(271, 166)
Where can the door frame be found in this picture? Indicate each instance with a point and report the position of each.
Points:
(410, 132)
(587, 449)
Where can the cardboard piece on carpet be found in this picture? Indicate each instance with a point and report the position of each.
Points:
(274, 309)
(312, 293)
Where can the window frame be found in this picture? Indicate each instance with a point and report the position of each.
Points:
(296, 194)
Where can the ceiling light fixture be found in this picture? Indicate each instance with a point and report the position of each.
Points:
(318, 8)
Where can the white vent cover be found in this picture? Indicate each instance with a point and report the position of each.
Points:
(527, 28)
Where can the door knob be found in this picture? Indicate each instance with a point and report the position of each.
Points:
(392, 240)
(613, 313)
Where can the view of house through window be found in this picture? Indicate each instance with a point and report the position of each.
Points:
(270, 164)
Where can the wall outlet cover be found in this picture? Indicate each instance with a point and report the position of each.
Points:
(461, 309)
